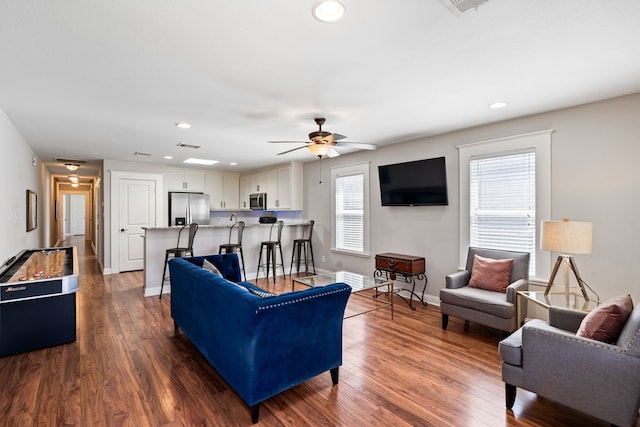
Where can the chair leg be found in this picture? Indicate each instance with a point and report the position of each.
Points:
(255, 413)
(281, 263)
(164, 272)
(313, 263)
(445, 321)
(242, 259)
(510, 395)
(334, 375)
(268, 260)
(259, 261)
(292, 254)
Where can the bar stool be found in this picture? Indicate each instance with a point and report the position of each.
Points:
(270, 247)
(303, 247)
(179, 251)
(228, 248)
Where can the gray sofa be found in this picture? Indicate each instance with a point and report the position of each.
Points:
(494, 309)
(602, 380)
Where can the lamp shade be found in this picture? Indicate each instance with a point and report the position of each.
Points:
(566, 237)
(319, 149)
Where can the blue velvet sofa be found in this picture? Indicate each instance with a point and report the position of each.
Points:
(259, 345)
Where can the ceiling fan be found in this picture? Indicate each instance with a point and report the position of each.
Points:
(322, 143)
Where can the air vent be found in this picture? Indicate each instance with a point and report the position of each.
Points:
(180, 144)
(72, 161)
(458, 7)
(137, 153)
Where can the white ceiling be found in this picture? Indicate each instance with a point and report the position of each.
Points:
(95, 79)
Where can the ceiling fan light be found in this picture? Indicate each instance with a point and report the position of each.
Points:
(328, 10)
(319, 149)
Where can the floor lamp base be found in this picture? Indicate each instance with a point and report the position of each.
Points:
(576, 273)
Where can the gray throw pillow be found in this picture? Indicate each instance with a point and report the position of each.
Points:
(261, 294)
(212, 268)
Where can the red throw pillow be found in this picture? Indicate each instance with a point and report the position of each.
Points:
(491, 274)
(605, 322)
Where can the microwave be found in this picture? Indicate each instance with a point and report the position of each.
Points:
(258, 201)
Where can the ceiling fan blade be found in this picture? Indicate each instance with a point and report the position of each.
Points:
(287, 142)
(333, 153)
(360, 145)
(338, 137)
(293, 149)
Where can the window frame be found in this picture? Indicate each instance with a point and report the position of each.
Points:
(343, 171)
(540, 142)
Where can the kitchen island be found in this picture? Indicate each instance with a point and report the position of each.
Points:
(208, 238)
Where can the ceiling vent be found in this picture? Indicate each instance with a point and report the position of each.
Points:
(72, 161)
(459, 7)
(180, 144)
(138, 153)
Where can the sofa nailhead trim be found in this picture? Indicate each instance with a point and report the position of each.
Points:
(266, 307)
(611, 347)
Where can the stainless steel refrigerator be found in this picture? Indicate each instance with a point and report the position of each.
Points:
(186, 208)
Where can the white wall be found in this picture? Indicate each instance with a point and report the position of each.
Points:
(17, 176)
(595, 177)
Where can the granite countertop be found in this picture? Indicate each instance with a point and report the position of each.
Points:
(178, 227)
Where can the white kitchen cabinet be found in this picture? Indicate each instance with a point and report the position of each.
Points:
(231, 191)
(223, 190)
(246, 185)
(284, 187)
(184, 180)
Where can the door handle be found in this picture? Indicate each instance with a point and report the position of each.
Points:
(122, 230)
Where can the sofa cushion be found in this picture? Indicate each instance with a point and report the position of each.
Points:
(605, 322)
(490, 274)
(212, 268)
(494, 303)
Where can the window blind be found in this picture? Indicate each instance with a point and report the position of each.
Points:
(503, 203)
(349, 212)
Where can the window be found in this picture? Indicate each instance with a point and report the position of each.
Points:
(350, 208)
(503, 203)
(505, 191)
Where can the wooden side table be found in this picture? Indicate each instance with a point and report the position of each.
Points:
(407, 268)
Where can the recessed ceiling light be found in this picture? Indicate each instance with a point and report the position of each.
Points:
(328, 11)
(200, 161)
(168, 157)
(183, 125)
(498, 104)
(233, 163)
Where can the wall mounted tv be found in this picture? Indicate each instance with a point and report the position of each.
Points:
(416, 183)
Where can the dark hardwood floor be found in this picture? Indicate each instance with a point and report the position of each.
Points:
(128, 368)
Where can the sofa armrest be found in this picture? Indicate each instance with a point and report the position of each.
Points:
(515, 287)
(587, 375)
(566, 318)
(458, 279)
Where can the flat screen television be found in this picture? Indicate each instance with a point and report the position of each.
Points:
(415, 183)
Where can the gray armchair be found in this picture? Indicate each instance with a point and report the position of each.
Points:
(602, 380)
(494, 309)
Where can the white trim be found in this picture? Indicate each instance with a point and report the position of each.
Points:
(116, 176)
(541, 142)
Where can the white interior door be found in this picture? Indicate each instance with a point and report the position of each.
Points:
(137, 210)
(77, 214)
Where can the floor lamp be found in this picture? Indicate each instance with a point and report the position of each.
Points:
(568, 238)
